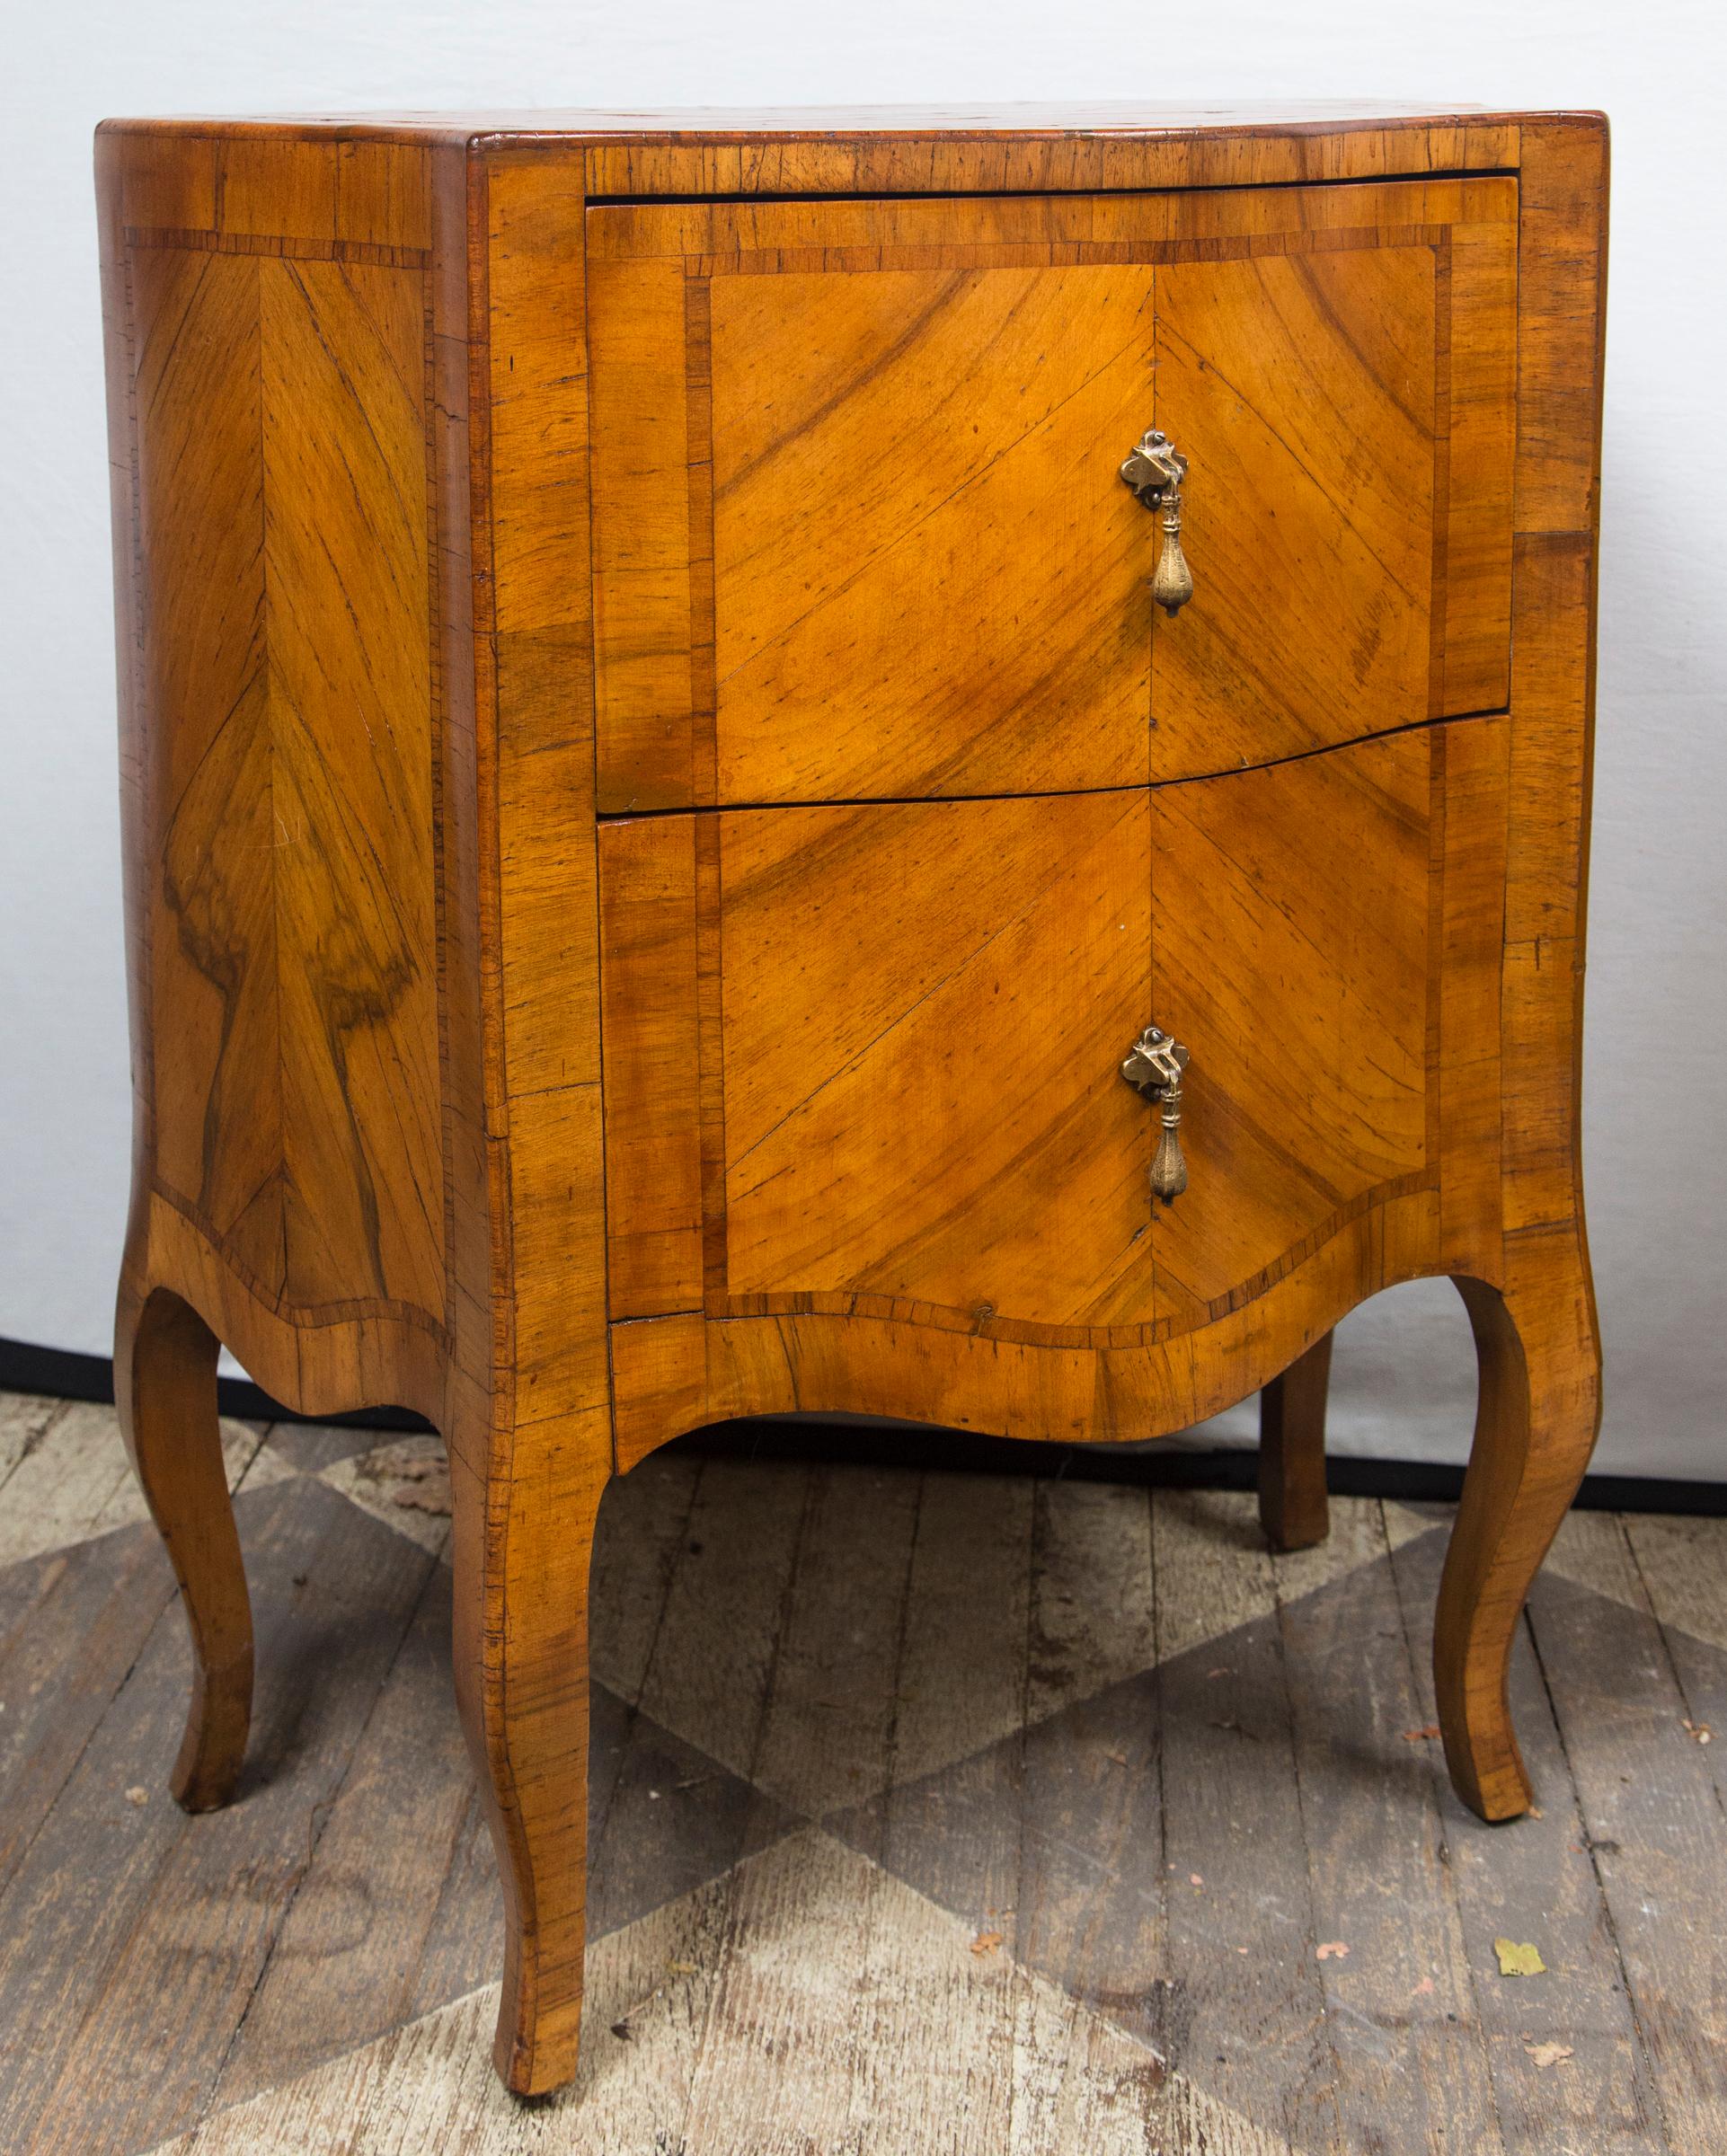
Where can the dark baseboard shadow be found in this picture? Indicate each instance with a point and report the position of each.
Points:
(1166, 1465)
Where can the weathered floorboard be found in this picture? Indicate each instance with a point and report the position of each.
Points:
(929, 1812)
(1650, 1812)
(1245, 2011)
(92, 1978)
(1398, 1998)
(1534, 1880)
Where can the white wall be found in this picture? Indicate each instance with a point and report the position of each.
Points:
(1657, 1044)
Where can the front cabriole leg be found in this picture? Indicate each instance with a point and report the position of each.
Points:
(1538, 1410)
(525, 1503)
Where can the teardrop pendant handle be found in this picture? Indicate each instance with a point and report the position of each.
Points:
(1172, 583)
(1154, 1067)
(1169, 1162)
(1154, 471)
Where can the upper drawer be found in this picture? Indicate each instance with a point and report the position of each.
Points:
(859, 528)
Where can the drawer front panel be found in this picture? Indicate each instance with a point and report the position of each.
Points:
(918, 587)
(1305, 389)
(865, 1059)
(1293, 958)
(859, 531)
(919, 1021)
(891, 1031)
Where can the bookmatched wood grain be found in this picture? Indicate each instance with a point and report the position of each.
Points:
(286, 653)
(389, 723)
(829, 1135)
(1350, 413)
(924, 1011)
(1315, 554)
(284, 534)
(869, 428)
(876, 444)
(1305, 1011)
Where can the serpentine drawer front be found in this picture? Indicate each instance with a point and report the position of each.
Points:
(912, 1065)
(858, 530)
(860, 765)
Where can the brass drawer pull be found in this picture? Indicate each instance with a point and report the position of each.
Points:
(1154, 471)
(1154, 1067)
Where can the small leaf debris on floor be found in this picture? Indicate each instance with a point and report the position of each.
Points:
(137, 1796)
(1515, 1960)
(1548, 2055)
(622, 2028)
(1331, 1949)
(1701, 1731)
(1420, 1736)
(986, 1942)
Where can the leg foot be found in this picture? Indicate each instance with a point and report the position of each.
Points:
(1535, 1421)
(521, 1559)
(164, 1386)
(1292, 1508)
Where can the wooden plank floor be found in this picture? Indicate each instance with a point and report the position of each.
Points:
(931, 1812)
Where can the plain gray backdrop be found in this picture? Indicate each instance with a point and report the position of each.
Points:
(1656, 1043)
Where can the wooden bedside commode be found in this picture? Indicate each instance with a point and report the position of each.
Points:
(877, 762)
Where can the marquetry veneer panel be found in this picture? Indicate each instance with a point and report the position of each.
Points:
(858, 530)
(656, 800)
(865, 1058)
(280, 411)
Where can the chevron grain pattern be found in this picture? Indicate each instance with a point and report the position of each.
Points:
(655, 802)
(280, 415)
(891, 463)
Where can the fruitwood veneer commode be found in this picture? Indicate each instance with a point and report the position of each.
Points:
(695, 688)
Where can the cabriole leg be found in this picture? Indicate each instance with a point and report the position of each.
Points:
(1537, 1413)
(164, 1386)
(525, 1507)
(1292, 1508)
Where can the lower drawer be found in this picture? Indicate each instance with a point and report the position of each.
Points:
(866, 1059)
